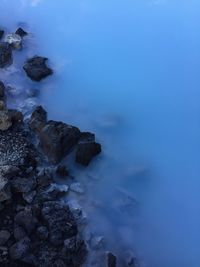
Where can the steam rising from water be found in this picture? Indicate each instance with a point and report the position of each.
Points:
(129, 71)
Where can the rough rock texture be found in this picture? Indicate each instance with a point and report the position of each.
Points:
(86, 152)
(14, 40)
(5, 120)
(57, 139)
(15, 149)
(60, 221)
(38, 119)
(23, 185)
(5, 193)
(5, 55)
(36, 68)
(21, 32)
(9, 118)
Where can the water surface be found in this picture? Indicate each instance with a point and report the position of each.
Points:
(129, 71)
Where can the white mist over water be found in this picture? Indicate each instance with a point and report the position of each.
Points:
(129, 71)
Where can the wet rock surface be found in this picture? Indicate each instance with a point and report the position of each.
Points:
(57, 139)
(86, 152)
(36, 68)
(5, 55)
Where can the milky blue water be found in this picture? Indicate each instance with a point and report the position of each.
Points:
(129, 71)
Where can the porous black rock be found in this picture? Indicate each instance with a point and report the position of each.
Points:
(60, 221)
(36, 68)
(5, 55)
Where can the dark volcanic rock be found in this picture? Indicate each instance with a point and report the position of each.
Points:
(42, 233)
(75, 250)
(15, 149)
(21, 32)
(62, 171)
(26, 220)
(5, 193)
(87, 137)
(19, 233)
(86, 152)
(5, 55)
(36, 68)
(60, 221)
(1, 33)
(20, 249)
(23, 185)
(16, 116)
(111, 260)
(4, 237)
(57, 139)
(38, 119)
(2, 90)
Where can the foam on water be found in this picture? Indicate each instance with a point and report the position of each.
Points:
(129, 71)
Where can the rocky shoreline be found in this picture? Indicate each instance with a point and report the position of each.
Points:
(36, 227)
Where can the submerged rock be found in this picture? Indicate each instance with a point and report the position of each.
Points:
(57, 139)
(5, 55)
(21, 32)
(14, 40)
(86, 152)
(36, 68)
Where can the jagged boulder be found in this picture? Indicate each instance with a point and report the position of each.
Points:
(36, 68)
(57, 139)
